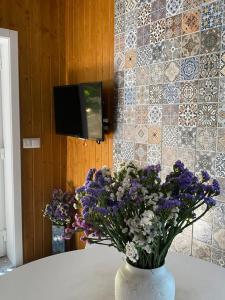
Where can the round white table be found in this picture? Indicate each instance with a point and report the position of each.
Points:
(89, 275)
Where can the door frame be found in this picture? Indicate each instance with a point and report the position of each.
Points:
(11, 137)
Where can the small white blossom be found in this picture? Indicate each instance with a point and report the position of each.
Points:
(131, 252)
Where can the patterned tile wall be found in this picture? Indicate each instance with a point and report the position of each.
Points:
(170, 92)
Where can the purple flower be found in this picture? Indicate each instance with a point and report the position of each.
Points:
(90, 175)
(178, 166)
(205, 176)
(210, 201)
(185, 179)
(169, 204)
(216, 187)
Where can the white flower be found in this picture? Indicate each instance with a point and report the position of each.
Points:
(147, 218)
(131, 252)
(125, 230)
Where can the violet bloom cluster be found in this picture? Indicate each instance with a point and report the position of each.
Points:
(61, 209)
(137, 213)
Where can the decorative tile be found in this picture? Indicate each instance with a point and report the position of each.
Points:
(140, 152)
(218, 257)
(118, 114)
(190, 44)
(222, 89)
(158, 14)
(173, 7)
(131, 21)
(130, 78)
(223, 38)
(173, 26)
(221, 197)
(143, 36)
(210, 40)
(206, 139)
(189, 68)
(208, 90)
(211, 15)
(141, 114)
(117, 150)
(154, 154)
(130, 5)
(188, 115)
(201, 250)
(129, 96)
(205, 161)
(144, 55)
(157, 31)
(209, 65)
(156, 73)
(186, 137)
(172, 71)
(120, 24)
(155, 114)
(131, 40)
(142, 75)
(220, 164)
(187, 156)
(172, 93)
(142, 94)
(191, 21)
(189, 91)
(169, 156)
(219, 215)
(172, 49)
(129, 114)
(219, 239)
(158, 52)
(221, 115)
(144, 14)
(119, 62)
(119, 97)
(155, 93)
(154, 135)
(128, 150)
(158, 4)
(119, 43)
(118, 131)
(170, 134)
(119, 8)
(221, 140)
(170, 114)
(141, 134)
(128, 132)
(182, 244)
(207, 115)
(119, 79)
(130, 59)
(222, 67)
(202, 231)
(190, 4)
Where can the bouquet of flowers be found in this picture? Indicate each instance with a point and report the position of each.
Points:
(61, 209)
(138, 214)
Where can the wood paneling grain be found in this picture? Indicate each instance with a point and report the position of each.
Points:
(41, 29)
(89, 57)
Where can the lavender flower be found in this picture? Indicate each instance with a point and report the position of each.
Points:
(138, 213)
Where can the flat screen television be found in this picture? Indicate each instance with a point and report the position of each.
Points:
(78, 110)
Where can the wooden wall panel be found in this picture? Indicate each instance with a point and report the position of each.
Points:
(41, 27)
(89, 57)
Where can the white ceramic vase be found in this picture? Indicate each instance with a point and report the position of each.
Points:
(142, 284)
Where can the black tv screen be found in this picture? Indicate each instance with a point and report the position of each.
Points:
(78, 110)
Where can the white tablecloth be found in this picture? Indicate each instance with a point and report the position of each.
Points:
(89, 275)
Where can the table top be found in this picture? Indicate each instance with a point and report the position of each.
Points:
(89, 275)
